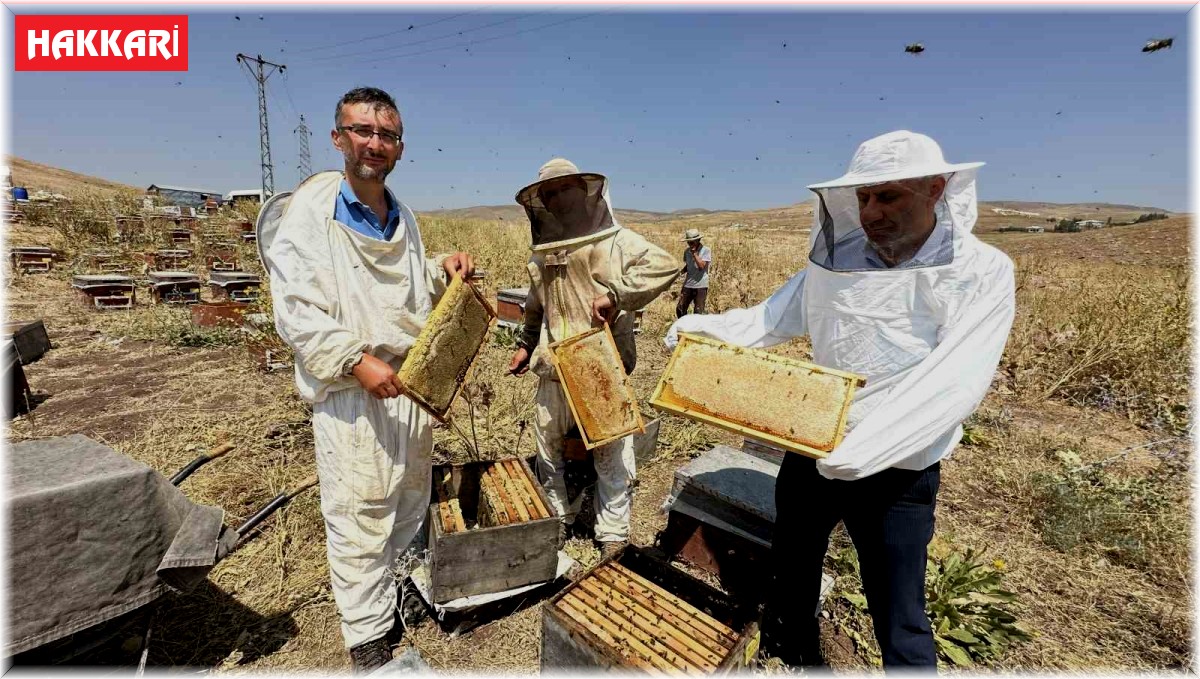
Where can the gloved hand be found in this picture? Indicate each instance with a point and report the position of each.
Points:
(693, 323)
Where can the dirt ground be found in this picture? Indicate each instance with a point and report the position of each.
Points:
(268, 607)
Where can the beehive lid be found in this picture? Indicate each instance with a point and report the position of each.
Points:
(797, 406)
(514, 295)
(85, 280)
(437, 364)
(173, 277)
(597, 388)
(32, 250)
(222, 277)
(174, 253)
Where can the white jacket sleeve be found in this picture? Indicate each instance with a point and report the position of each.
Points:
(936, 395)
(300, 269)
(778, 319)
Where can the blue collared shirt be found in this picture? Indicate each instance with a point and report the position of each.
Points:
(856, 253)
(352, 212)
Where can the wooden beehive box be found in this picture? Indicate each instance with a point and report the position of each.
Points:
(633, 612)
(174, 287)
(790, 404)
(105, 291)
(491, 528)
(437, 366)
(510, 306)
(596, 386)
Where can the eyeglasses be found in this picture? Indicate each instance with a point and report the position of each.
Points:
(364, 133)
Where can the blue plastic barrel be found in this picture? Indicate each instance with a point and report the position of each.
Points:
(20, 193)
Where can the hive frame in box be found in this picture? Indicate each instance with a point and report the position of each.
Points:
(558, 369)
(574, 637)
(485, 559)
(661, 398)
(405, 370)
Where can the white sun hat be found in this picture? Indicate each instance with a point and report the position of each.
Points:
(893, 156)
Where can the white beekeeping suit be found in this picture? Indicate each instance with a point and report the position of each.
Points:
(927, 333)
(336, 294)
(578, 255)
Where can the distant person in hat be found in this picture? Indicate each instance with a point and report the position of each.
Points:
(352, 289)
(585, 270)
(900, 291)
(696, 260)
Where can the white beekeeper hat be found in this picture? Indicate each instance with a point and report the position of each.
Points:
(893, 156)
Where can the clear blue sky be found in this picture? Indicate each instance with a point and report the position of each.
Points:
(679, 109)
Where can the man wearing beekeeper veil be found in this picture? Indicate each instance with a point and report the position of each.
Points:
(584, 270)
(900, 291)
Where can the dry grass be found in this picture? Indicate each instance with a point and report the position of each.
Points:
(121, 378)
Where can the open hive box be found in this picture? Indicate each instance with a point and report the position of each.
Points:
(636, 613)
(787, 403)
(596, 386)
(491, 528)
(436, 367)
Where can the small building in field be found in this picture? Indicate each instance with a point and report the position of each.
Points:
(179, 195)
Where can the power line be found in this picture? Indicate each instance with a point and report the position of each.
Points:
(483, 40)
(383, 52)
(288, 91)
(389, 33)
(264, 134)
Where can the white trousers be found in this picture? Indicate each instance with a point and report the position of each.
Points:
(614, 462)
(373, 462)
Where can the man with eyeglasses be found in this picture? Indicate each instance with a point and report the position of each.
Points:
(351, 290)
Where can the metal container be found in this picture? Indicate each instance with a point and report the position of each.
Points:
(105, 291)
(219, 314)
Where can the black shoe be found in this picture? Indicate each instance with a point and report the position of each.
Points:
(370, 655)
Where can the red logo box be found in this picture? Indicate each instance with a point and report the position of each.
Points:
(101, 42)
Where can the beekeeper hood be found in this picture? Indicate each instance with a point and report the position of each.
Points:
(888, 170)
(567, 207)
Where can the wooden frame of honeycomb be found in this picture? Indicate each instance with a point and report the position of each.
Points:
(758, 394)
(596, 386)
(436, 367)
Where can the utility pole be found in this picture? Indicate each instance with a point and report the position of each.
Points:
(305, 159)
(264, 135)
